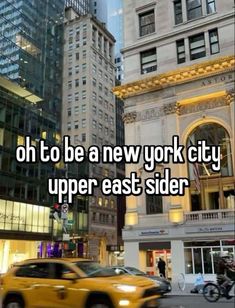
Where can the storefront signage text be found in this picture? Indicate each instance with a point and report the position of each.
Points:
(153, 232)
(11, 218)
(210, 229)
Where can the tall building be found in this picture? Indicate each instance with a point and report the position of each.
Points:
(115, 26)
(30, 48)
(81, 7)
(179, 80)
(98, 8)
(88, 114)
(30, 95)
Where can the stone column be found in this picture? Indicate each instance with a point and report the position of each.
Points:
(177, 259)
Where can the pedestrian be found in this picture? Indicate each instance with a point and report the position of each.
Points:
(162, 267)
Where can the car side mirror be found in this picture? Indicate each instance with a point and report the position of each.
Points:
(70, 276)
(119, 271)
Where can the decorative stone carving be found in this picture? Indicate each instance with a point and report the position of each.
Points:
(229, 96)
(202, 105)
(129, 117)
(170, 108)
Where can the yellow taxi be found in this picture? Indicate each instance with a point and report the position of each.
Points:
(58, 283)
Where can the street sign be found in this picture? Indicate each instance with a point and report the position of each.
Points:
(70, 222)
(64, 211)
(66, 237)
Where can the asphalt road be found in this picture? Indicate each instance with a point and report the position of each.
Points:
(194, 302)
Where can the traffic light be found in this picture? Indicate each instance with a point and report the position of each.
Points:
(55, 211)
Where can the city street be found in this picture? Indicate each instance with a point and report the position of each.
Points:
(193, 302)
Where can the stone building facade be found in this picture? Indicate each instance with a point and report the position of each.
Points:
(88, 115)
(179, 80)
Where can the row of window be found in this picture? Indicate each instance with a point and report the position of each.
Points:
(197, 46)
(195, 9)
(197, 49)
(101, 114)
(101, 43)
(103, 218)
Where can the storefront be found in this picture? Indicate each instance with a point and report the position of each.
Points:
(25, 230)
(194, 257)
(12, 251)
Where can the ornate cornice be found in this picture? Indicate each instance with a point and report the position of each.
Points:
(205, 104)
(179, 108)
(179, 76)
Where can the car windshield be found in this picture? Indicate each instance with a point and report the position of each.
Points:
(93, 269)
(135, 271)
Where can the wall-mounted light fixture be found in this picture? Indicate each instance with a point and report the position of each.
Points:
(176, 214)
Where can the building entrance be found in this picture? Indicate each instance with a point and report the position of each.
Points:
(153, 257)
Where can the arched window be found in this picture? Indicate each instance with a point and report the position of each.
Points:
(211, 190)
(213, 134)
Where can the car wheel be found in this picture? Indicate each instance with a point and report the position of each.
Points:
(13, 302)
(100, 303)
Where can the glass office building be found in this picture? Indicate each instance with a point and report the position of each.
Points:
(31, 46)
(82, 7)
(31, 37)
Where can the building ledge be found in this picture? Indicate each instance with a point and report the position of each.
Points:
(172, 78)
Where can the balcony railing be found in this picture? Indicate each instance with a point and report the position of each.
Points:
(212, 215)
(199, 217)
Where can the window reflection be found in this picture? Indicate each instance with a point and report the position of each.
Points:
(24, 217)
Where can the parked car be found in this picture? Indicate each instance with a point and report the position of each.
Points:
(164, 285)
(59, 283)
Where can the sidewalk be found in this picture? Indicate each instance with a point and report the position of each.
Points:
(186, 292)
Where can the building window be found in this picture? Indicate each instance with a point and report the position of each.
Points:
(77, 69)
(197, 46)
(70, 72)
(76, 124)
(210, 5)
(69, 112)
(77, 55)
(148, 61)
(83, 123)
(93, 69)
(84, 137)
(100, 201)
(94, 139)
(178, 12)
(84, 81)
(76, 110)
(94, 109)
(153, 204)
(84, 67)
(69, 125)
(84, 94)
(214, 41)
(215, 196)
(76, 82)
(70, 85)
(83, 108)
(94, 96)
(94, 124)
(180, 51)
(94, 82)
(147, 23)
(194, 9)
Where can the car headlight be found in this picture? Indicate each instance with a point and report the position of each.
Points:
(160, 283)
(125, 288)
